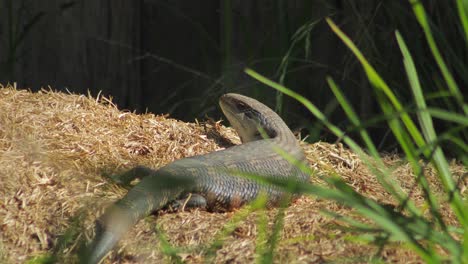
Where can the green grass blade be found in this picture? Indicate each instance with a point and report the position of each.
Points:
(376, 213)
(395, 126)
(262, 236)
(448, 116)
(388, 182)
(465, 246)
(420, 14)
(380, 84)
(240, 216)
(352, 115)
(462, 7)
(429, 133)
(166, 247)
(399, 133)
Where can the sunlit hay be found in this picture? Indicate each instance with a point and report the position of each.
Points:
(56, 150)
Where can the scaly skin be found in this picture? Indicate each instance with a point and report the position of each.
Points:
(212, 177)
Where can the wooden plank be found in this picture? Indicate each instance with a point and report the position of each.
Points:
(85, 45)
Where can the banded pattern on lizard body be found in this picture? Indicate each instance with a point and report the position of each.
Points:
(211, 177)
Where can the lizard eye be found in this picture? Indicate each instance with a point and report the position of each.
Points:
(242, 106)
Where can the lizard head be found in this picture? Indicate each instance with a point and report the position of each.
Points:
(248, 116)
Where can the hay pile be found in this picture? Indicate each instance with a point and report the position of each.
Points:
(56, 147)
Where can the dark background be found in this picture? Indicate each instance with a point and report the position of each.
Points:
(178, 56)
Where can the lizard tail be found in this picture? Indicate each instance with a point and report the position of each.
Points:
(151, 194)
